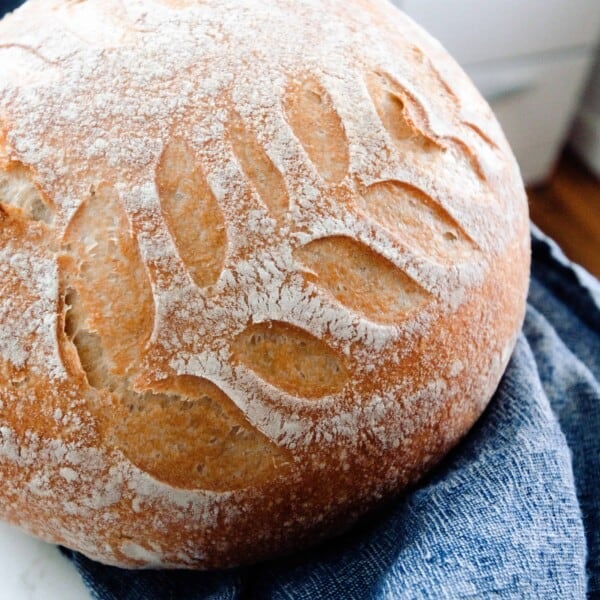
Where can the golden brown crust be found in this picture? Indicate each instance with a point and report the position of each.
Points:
(261, 265)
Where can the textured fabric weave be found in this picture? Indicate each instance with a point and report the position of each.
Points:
(513, 512)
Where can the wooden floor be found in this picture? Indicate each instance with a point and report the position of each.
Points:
(568, 210)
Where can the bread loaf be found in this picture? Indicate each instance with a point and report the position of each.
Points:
(262, 264)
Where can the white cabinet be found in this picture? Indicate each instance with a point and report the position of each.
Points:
(482, 30)
(534, 100)
(530, 59)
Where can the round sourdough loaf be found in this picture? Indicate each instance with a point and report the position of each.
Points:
(262, 264)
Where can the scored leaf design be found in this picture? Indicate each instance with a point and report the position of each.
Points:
(185, 430)
(313, 119)
(360, 279)
(291, 359)
(259, 168)
(417, 220)
(192, 213)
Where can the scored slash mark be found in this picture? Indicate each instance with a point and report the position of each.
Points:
(259, 168)
(318, 127)
(187, 198)
(360, 279)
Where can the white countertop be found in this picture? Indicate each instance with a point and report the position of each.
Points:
(33, 570)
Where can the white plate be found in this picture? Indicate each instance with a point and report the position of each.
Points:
(33, 570)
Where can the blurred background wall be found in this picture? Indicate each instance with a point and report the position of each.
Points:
(585, 136)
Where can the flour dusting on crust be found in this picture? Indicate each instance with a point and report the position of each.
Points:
(327, 230)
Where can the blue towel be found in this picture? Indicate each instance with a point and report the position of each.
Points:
(513, 512)
(7, 6)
